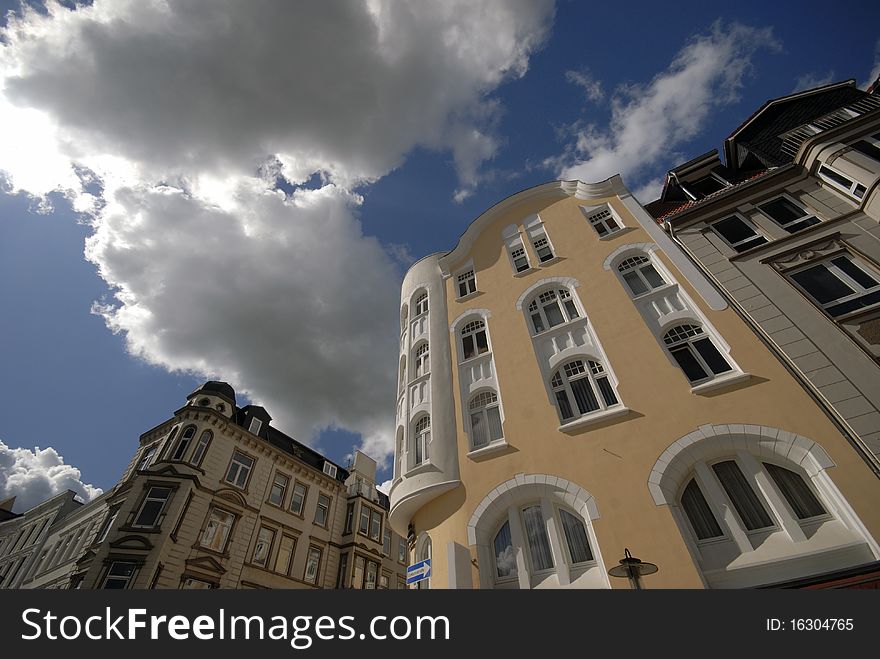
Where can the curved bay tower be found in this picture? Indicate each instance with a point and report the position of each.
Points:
(571, 386)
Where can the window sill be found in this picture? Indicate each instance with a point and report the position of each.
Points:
(498, 446)
(720, 382)
(548, 262)
(422, 468)
(527, 271)
(613, 234)
(594, 418)
(484, 356)
(467, 297)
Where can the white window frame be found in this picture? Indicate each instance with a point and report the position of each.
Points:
(160, 512)
(325, 506)
(793, 226)
(293, 495)
(219, 524)
(420, 306)
(198, 454)
(183, 442)
(471, 329)
(858, 290)
(421, 359)
(593, 371)
(125, 579)
(255, 426)
(465, 280)
(330, 469)
(421, 439)
(263, 549)
(560, 295)
(736, 247)
(240, 466)
(693, 193)
(148, 456)
(548, 245)
(635, 264)
(283, 488)
(313, 579)
(697, 332)
(598, 216)
(479, 406)
(513, 253)
(827, 173)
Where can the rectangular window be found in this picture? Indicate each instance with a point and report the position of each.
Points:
(787, 214)
(279, 488)
(298, 499)
(376, 525)
(323, 510)
(330, 469)
(343, 568)
(386, 542)
(742, 496)
(839, 285)
(467, 283)
(699, 513)
(255, 426)
(844, 183)
(239, 469)
(364, 527)
(147, 457)
(217, 530)
(603, 221)
(543, 249)
(372, 571)
(519, 258)
(111, 517)
(196, 584)
(119, 576)
(401, 551)
(286, 550)
(201, 448)
(349, 518)
(705, 186)
(738, 233)
(383, 581)
(263, 548)
(357, 577)
(313, 565)
(151, 509)
(536, 535)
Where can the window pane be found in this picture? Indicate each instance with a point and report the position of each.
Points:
(711, 356)
(467, 343)
(635, 283)
(482, 342)
(538, 323)
(698, 512)
(688, 363)
(576, 536)
(536, 533)
(734, 230)
(652, 276)
(495, 431)
(607, 391)
(851, 269)
(505, 557)
(782, 210)
(564, 406)
(479, 429)
(554, 314)
(584, 396)
(742, 496)
(798, 494)
(365, 520)
(264, 544)
(822, 284)
(297, 499)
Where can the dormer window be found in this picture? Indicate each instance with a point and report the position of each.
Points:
(330, 469)
(703, 187)
(255, 426)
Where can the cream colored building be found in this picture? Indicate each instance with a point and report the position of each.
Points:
(571, 385)
(215, 497)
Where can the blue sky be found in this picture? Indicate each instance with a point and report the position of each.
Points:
(141, 246)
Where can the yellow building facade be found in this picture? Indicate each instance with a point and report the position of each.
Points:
(571, 385)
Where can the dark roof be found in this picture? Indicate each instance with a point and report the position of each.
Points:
(302, 452)
(6, 515)
(215, 387)
(759, 134)
(662, 210)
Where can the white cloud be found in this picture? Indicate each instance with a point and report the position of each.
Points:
(812, 80)
(585, 80)
(34, 476)
(649, 121)
(174, 106)
(385, 487)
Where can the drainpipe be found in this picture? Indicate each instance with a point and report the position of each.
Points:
(851, 436)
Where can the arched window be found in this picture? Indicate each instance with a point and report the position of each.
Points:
(399, 448)
(201, 448)
(402, 374)
(424, 553)
(421, 439)
(581, 387)
(485, 419)
(695, 353)
(183, 443)
(640, 275)
(422, 364)
(473, 339)
(551, 308)
(505, 555)
(421, 304)
(403, 318)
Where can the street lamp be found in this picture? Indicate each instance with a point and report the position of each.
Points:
(633, 569)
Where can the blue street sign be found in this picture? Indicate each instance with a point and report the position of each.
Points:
(419, 571)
